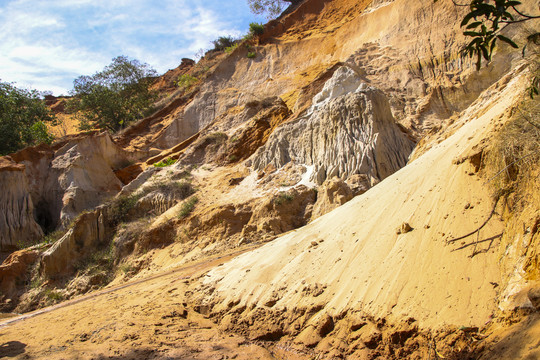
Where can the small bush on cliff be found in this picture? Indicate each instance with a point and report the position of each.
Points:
(223, 42)
(53, 236)
(53, 296)
(187, 207)
(126, 268)
(115, 96)
(186, 81)
(231, 48)
(120, 207)
(165, 162)
(282, 198)
(23, 116)
(256, 28)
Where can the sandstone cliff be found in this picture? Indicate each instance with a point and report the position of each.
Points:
(17, 224)
(348, 130)
(347, 160)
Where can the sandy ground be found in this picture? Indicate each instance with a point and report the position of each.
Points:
(145, 319)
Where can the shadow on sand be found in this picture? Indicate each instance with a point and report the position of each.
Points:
(11, 349)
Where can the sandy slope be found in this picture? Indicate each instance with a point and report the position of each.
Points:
(355, 254)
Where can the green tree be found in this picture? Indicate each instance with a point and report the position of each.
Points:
(115, 96)
(270, 8)
(23, 115)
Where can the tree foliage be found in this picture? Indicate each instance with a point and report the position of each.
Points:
(23, 115)
(270, 8)
(115, 96)
(256, 29)
(486, 21)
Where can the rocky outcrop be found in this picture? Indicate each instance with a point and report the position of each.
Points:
(330, 195)
(348, 130)
(88, 232)
(13, 269)
(73, 176)
(283, 212)
(17, 224)
(408, 50)
(271, 113)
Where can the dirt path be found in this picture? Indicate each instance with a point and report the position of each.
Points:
(191, 268)
(144, 319)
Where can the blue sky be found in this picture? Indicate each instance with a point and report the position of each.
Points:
(45, 44)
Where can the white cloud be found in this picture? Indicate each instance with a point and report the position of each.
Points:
(46, 44)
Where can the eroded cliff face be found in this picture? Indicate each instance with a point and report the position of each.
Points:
(311, 138)
(329, 85)
(408, 50)
(17, 224)
(348, 130)
(74, 175)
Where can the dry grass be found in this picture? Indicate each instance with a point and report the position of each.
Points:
(178, 189)
(514, 158)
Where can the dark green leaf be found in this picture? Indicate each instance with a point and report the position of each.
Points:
(474, 24)
(472, 33)
(508, 41)
(469, 16)
(485, 53)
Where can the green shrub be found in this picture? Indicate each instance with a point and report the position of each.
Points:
(36, 282)
(187, 207)
(251, 55)
(53, 236)
(165, 162)
(126, 268)
(223, 42)
(282, 198)
(53, 295)
(120, 207)
(256, 28)
(186, 81)
(231, 48)
(99, 262)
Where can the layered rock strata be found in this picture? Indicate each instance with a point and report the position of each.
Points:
(348, 130)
